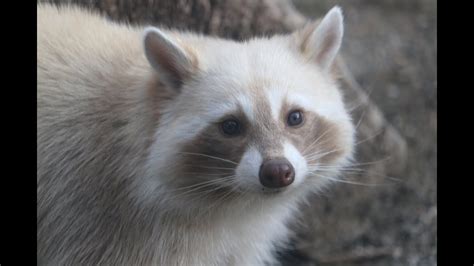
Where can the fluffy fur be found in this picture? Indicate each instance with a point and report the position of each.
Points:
(132, 167)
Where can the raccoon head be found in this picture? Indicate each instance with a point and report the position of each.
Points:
(262, 117)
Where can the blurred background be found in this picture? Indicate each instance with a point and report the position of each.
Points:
(384, 212)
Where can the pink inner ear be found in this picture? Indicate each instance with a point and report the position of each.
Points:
(163, 59)
(303, 36)
(328, 47)
(169, 60)
(321, 40)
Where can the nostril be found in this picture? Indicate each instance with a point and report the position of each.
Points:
(287, 174)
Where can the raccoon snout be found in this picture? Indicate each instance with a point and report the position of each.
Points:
(276, 173)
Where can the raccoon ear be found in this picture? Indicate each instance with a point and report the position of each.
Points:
(173, 63)
(320, 40)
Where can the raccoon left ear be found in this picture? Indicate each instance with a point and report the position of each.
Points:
(173, 62)
(321, 41)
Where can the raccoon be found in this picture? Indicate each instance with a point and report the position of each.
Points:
(162, 147)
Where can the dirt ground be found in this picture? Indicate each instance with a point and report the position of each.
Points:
(391, 48)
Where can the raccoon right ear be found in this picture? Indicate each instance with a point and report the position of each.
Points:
(172, 62)
(320, 41)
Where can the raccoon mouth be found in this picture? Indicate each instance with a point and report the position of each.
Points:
(272, 191)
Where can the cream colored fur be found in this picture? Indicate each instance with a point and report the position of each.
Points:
(106, 143)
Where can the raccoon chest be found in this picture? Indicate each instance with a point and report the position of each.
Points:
(246, 239)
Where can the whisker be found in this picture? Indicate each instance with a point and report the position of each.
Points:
(226, 196)
(204, 184)
(368, 138)
(314, 142)
(359, 163)
(347, 181)
(368, 173)
(353, 169)
(320, 155)
(209, 156)
(209, 167)
(205, 174)
(199, 192)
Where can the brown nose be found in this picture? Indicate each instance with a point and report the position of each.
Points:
(276, 173)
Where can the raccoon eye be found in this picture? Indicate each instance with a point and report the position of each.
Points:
(295, 118)
(230, 127)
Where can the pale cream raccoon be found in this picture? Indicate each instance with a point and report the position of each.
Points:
(158, 147)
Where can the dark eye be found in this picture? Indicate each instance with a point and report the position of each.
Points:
(295, 118)
(230, 127)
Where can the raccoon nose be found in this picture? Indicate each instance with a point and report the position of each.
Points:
(276, 173)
